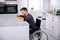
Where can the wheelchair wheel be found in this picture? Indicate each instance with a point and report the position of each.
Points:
(37, 35)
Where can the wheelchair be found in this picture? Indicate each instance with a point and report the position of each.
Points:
(37, 33)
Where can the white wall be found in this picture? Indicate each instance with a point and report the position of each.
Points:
(21, 3)
(46, 5)
(55, 3)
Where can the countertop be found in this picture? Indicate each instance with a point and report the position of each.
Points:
(11, 20)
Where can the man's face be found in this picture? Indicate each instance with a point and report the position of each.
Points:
(24, 12)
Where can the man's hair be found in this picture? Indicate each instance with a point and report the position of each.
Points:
(24, 8)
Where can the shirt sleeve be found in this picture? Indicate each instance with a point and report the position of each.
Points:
(32, 23)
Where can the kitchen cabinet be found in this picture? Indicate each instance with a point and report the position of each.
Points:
(50, 36)
(11, 0)
(52, 24)
(2, 0)
(14, 32)
(13, 29)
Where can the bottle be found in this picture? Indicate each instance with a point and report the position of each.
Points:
(54, 11)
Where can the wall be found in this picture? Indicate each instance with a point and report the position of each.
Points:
(46, 5)
(21, 3)
(55, 3)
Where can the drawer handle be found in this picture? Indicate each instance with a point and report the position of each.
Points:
(52, 20)
(47, 15)
(52, 26)
(52, 17)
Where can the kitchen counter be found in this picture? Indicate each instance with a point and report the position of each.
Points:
(11, 20)
(52, 26)
(12, 29)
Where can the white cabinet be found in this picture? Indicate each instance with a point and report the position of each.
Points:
(12, 29)
(52, 24)
(2, 0)
(14, 33)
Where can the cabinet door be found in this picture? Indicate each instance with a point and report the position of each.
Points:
(2, 0)
(48, 22)
(11, 0)
(55, 27)
(52, 25)
(54, 31)
(51, 37)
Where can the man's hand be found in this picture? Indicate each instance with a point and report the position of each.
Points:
(20, 18)
(17, 15)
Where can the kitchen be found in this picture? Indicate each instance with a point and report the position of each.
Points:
(47, 11)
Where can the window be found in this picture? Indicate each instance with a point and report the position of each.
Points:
(34, 4)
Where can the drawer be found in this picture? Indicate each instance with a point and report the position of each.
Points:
(52, 25)
(53, 28)
(54, 31)
(49, 26)
(56, 20)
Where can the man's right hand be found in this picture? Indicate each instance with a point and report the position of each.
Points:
(19, 18)
(17, 15)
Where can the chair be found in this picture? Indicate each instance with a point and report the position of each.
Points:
(38, 23)
(38, 33)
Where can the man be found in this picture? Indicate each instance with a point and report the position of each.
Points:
(28, 17)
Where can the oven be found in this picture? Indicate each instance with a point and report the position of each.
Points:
(11, 8)
(8, 9)
(2, 10)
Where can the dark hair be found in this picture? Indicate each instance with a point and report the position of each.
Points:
(24, 8)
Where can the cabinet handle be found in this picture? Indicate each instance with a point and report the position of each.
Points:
(52, 20)
(52, 26)
(47, 15)
(52, 17)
